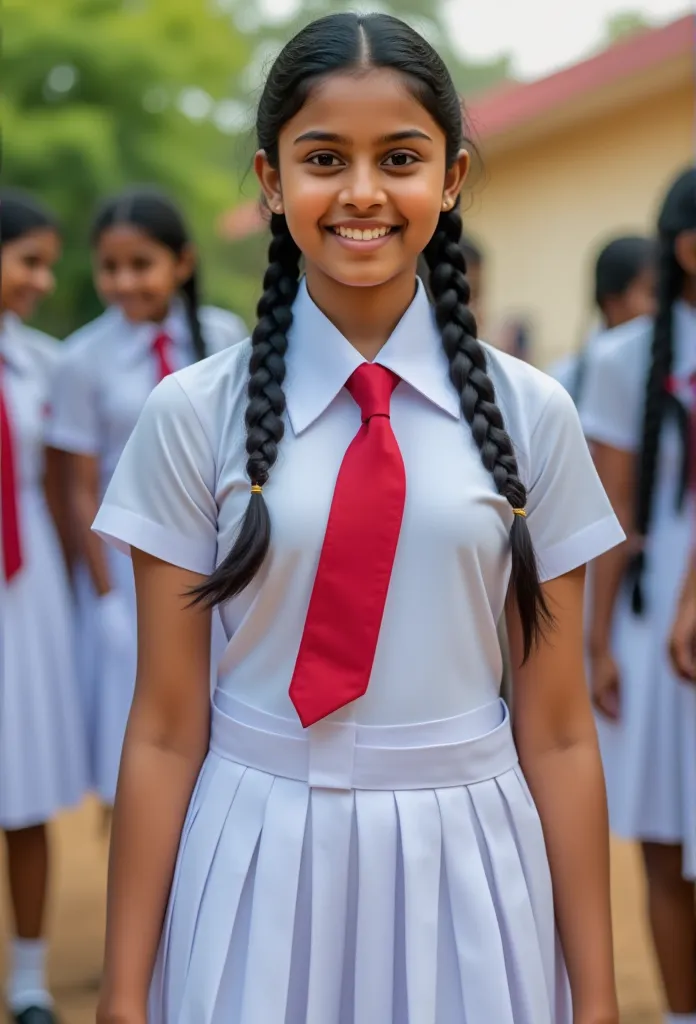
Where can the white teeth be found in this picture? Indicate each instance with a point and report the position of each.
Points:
(362, 236)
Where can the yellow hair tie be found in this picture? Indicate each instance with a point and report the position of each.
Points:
(519, 512)
(256, 489)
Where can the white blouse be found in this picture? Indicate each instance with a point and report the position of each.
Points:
(107, 370)
(180, 491)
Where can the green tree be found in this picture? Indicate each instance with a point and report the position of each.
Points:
(623, 24)
(102, 93)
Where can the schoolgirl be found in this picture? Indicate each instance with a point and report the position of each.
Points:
(361, 843)
(43, 765)
(637, 409)
(624, 289)
(145, 262)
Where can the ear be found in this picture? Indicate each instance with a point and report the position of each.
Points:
(269, 179)
(186, 265)
(455, 178)
(685, 252)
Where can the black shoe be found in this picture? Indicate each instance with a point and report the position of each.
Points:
(36, 1015)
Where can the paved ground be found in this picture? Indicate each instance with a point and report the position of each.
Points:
(78, 919)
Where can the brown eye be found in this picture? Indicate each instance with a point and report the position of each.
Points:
(329, 160)
(401, 159)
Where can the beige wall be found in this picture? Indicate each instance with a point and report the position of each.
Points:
(543, 208)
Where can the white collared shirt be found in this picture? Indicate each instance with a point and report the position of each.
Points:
(180, 492)
(29, 362)
(107, 370)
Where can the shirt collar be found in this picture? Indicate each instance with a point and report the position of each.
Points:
(320, 360)
(14, 350)
(175, 325)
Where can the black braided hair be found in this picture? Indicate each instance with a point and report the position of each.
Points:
(469, 375)
(264, 415)
(158, 216)
(337, 43)
(678, 214)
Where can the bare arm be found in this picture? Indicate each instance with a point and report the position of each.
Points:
(616, 470)
(85, 495)
(559, 754)
(57, 491)
(682, 641)
(166, 742)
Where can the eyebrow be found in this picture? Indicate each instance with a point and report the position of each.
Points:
(319, 136)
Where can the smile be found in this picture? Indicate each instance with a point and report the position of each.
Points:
(362, 235)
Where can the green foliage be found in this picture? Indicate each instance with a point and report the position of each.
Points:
(99, 94)
(93, 99)
(623, 24)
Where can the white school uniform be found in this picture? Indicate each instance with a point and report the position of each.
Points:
(650, 754)
(386, 864)
(43, 764)
(105, 375)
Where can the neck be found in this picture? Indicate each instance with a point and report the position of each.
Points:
(365, 316)
(689, 291)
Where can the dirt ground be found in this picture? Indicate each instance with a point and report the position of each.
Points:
(78, 921)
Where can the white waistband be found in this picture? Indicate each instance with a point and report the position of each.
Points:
(342, 755)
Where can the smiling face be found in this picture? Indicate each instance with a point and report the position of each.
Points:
(361, 178)
(27, 271)
(139, 274)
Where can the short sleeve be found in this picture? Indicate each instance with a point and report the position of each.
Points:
(161, 496)
(73, 424)
(568, 513)
(613, 394)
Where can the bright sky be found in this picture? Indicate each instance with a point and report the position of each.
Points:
(542, 35)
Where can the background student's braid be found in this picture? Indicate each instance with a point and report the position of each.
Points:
(670, 277)
(468, 373)
(264, 415)
(190, 293)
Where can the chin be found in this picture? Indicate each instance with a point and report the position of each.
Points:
(362, 275)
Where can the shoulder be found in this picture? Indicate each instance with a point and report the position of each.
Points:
(524, 394)
(213, 389)
(631, 341)
(221, 328)
(41, 349)
(83, 350)
(563, 370)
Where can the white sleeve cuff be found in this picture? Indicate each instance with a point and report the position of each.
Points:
(608, 433)
(123, 529)
(68, 439)
(581, 548)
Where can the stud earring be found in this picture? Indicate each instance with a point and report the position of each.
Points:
(448, 204)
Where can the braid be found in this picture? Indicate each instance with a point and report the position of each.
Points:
(468, 373)
(264, 416)
(670, 278)
(190, 292)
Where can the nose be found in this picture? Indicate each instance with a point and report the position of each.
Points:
(123, 282)
(44, 280)
(363, 188)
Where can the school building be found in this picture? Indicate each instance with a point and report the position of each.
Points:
(568, 161)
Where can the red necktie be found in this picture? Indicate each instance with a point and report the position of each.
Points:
(9, 505)
(161, 346)
(350, 590)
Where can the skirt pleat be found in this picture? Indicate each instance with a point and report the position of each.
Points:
(300, 905)
(377, 840)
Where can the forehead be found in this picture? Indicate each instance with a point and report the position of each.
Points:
(125, 238)
(41, 241)
(362, 106)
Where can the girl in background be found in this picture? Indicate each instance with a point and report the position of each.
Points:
(336, 842)
(43, 766)
(144, 260)
(636, 407)
(624, 289)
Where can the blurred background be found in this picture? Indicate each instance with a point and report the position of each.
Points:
(582, 113)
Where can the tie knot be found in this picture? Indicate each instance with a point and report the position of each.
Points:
(371, 386)
(161, 343)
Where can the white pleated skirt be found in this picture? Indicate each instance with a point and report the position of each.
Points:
(43, 761)
(360, 875)
(649, 755)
